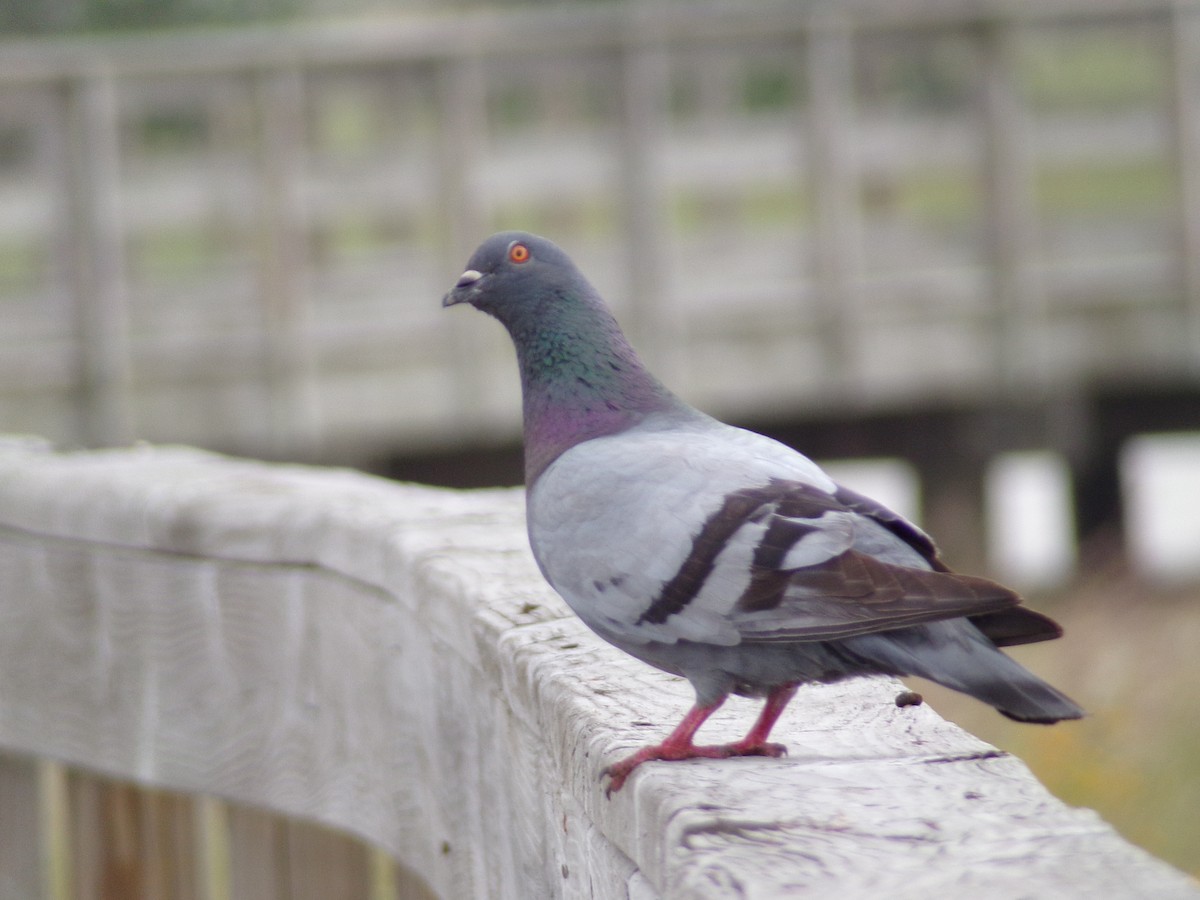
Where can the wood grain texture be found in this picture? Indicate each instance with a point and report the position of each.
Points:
(20, 823)
(386, 660)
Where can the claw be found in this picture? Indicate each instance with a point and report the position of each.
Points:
(679, 744)
(774, 751)
(620, 771)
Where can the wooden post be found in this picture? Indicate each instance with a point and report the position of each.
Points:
(325, 864)
(461, 92)
(255, 858)
(1018, 319)
(950, 453)
(21, 874)
(97, 238)
(52, 131)
(952, 505)
(460, 84)
(1185, 53)
(645, 86)
(292, 416)
(212, 849)
(232, 120)
(833, 183)
(53, 827)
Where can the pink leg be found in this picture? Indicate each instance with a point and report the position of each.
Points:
(755, 741)
(678, 744)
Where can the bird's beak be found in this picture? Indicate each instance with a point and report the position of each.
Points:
(465, 289)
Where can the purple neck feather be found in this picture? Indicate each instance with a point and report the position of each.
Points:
(576, 389)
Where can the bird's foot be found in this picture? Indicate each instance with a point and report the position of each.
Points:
(760, 748)
(618, 772)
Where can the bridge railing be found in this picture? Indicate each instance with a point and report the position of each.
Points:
(239, 239)
(385, 660)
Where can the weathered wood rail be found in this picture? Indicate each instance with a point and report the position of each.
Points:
(239, 239)
(384, 659)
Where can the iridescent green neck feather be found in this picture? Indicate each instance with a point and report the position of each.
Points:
(580, 378)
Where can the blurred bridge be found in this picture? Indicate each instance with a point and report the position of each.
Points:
(974, 225)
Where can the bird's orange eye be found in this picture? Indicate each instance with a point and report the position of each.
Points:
(518, 253)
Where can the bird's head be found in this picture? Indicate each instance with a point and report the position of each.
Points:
(512, 273)
(580, 378)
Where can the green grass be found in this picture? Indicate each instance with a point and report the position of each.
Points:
(354, 238)
(1093, 69)
(345, 127)
(184, 253)
(20, 267)
(173, 132)
(1105, 190)
(939, 197)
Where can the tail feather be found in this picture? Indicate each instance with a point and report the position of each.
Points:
(954, 653)
(1016, 625)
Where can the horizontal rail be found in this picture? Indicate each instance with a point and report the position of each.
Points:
(495, 34)
(385, 659)
(231, 237)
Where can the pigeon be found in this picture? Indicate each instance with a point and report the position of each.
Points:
(713, 552)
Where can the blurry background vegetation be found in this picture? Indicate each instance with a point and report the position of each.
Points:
(1130, 650)
(73, 16)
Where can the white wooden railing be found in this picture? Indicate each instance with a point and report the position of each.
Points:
(323, 185)
(385, 659)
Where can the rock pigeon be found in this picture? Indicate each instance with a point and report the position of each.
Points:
(716, 553)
